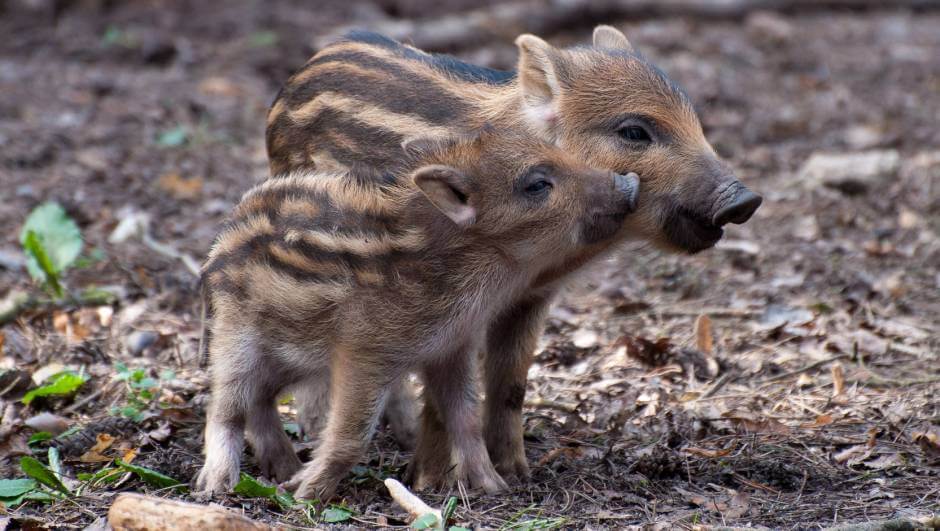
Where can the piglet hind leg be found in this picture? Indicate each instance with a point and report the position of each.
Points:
(511, 342)
(273, 450)
(359, 388)
(450, 386)
(431, 466)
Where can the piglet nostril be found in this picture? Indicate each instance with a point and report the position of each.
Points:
(629, 186)
(739, 210)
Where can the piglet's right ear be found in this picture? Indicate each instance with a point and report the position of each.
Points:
(447, 190)
(538, 80)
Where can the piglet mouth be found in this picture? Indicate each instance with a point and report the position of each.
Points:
(692, 232)
(603, 226)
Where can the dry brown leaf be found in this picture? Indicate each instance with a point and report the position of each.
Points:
(707, 453)
(750, 424)
(738, 505)
(821, 420)
(180, 187)
(853, 454)
(929, 442)
(60, 322)
(838, 380)
(703, 334)
(94, 454)
(650, 353)
(129, 455)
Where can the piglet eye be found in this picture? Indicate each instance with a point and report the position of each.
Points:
(635, 133)
(538, 187)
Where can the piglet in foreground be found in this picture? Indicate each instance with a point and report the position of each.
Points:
(326, 278)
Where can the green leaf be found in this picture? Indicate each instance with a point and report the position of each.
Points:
(56, 242)
(252, 488)
(39, 264)
(174, 137)
(167, 374)
(39, 437)
(71, 431)
(458, 528)
(425, 521)
(11, 488)
(448, 511)
(38, 471)
(336, 514)
(55, 461)
(263, 39)
(150, 476)
(105, 475)
(63, 385)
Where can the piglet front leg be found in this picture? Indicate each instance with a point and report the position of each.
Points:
(359, 388)
(452, 403)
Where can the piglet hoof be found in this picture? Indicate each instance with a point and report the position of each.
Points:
(482, 475)
(514, 469)
(279, 467)
(215, 480)
(315, 490)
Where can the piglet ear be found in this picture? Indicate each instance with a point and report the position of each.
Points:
(448, 190)
(538, 80)
(611, 38)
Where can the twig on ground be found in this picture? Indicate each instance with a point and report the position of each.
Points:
(551, 404)
(19, 302)
(897, 524)
(411, 503)
(144, 513)
(811, 366)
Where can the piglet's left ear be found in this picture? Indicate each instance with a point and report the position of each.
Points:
(447, 190)
(611, 38)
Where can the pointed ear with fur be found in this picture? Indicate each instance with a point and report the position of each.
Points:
(538, 80)
(447, 189)
(611, 38)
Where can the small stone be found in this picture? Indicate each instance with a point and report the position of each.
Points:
(769, 26)
(862, 136)
(53, 424)
(851, 173)
(12, 260)
(138, 341)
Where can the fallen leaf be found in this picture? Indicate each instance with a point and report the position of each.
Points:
(821, 420)
(750, 424)
(707, 453)
(94, 454)
(853, 454)
(180, 187)
(838, 380)
(650, 353)
(703, 334)
(929, 442)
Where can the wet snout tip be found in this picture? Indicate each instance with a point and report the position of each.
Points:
(739, 210)
(629, 186)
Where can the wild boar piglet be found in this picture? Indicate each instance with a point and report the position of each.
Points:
(323, 277)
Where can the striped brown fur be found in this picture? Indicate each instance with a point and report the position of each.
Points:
(324, 279)
(355, 102)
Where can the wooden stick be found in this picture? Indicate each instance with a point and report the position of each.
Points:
(411, 503)
(148, 513)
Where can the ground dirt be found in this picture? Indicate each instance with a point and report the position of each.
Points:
(814, 404)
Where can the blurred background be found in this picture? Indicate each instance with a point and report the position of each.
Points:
(148, 117)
